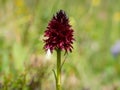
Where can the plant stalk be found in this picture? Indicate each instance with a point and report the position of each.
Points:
(58, 78)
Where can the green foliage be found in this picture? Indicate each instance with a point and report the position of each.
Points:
(91, 64)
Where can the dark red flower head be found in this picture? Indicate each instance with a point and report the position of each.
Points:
(59, 33)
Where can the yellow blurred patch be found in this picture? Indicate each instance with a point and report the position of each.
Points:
(19, 3)
(72, 21)
(116, 17)
(96, 2)
(20, 7)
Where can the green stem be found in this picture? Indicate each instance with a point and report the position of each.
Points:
(58, 78)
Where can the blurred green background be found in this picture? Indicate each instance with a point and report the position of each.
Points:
(91, 65)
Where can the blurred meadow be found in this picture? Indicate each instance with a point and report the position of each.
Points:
(93, 63)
